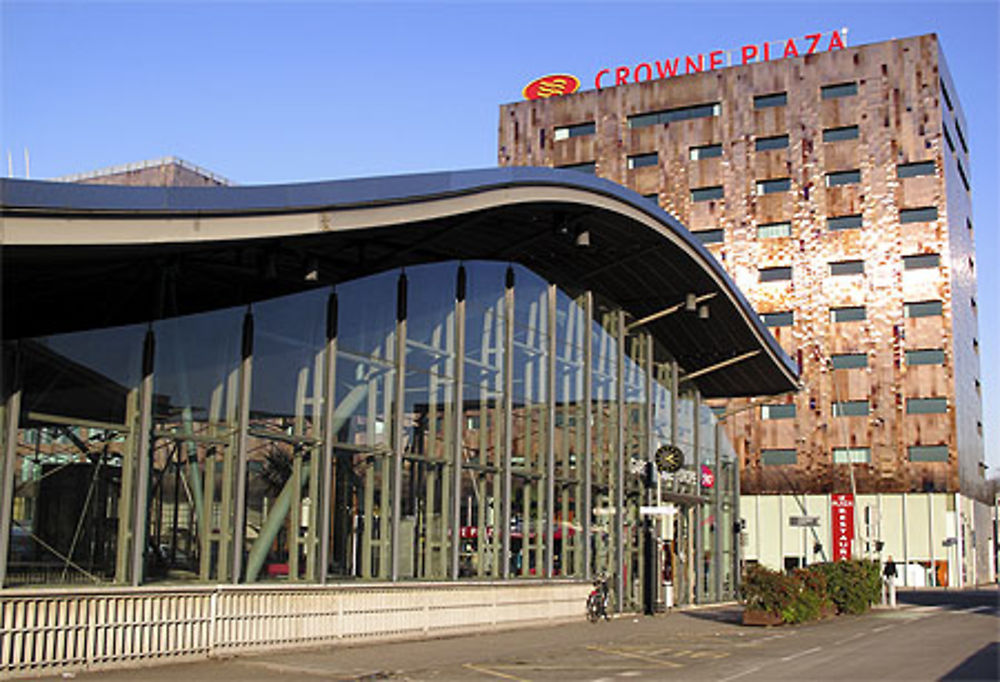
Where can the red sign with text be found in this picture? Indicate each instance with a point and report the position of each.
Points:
(843, 526)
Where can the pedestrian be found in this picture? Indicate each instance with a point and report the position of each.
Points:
(889, 573)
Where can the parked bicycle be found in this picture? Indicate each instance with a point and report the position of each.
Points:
(597, 601)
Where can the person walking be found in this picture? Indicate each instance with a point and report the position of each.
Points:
(889, 574)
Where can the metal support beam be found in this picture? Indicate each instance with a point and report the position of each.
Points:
(666, 311)
(397, 434)
(699, 527)
(588, 427)
(737, 534)
(719, 365)
(508, 424)
(459, 425)
(619, 515)
(325, 497)
(242, 426)
(142, 442)
(717, 562)
(11, 413)
(550, 442)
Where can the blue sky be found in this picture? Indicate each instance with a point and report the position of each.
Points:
(279, 92)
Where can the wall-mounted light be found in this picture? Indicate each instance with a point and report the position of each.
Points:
(312, 270)
(691, 303)
(583, 238)
(703, 312)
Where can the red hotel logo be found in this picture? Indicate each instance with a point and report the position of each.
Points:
(551, 86)
(842, 510)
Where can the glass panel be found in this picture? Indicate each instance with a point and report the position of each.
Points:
(709, 151)
(850, 408)
(578, 130)
(849, 360)
(782, 319)
(852, 455)
(706, 193)
(643, 160)
(774, 230)
(839, 134)
(847, 267)
(775, 274)
(926, 405)
(710, 236)
(569, 436)
(784, 411)
(773, 186)
(777, 457)
(930, 356)
(767, 143)
(928, 453)
(912, 170)
(922, 309)
(778, 99)
(604, 434)
(589, 167)
(848, 314)
(839, 90)
(844, 222)
(918, 215)
(921, 261)
(851, 177)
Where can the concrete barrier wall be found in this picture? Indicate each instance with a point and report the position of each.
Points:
(46, 632)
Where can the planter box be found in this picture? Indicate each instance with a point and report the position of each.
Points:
(754, 617)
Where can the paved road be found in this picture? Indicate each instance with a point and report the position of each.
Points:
(934, 634)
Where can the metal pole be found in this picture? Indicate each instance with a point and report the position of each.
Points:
(397, 434)
(620, 464)
(141, 484)
(717, 561)
(699, 529)
(325, 502)
(242, 424)
(550, 458)
(737, 534)
(508, 423)
(456, 463)
(588, 427)
(651, 541)
(12, 412)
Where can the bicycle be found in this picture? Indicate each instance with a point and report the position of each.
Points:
(597, 600)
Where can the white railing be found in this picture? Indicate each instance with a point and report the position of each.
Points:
(50, 631)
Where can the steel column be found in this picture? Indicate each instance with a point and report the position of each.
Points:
(508, 423)
(550, 459)
(11, 413)
(619, 515)
(717, 559)
(459, 425)
(397, 434)
(242, 425)
(588, 427)
(141, 481)
(325, 501)
(699, 530)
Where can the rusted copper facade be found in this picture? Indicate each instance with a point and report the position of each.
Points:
(906, 111)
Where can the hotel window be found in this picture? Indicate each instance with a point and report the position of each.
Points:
(961, 138)
(710, 236)
(849, 360)
(777, 456)
(655, 198)
(578, 130)
(928, 453)
(925, 356)
(643, 160)
(777, 99)
(679, 114)
(947, 138)
(851, 408)
(706, 193)
(852, 455)
(708, 151)
(848, 314)
(926, 405)
(847, 267)
(965, 180)
(840, 134)
(775, 274)
(844, 222)
(912, 170)
(783, 411)
(918, 215)
(921, 261)
(764, 144)
(782, 319)
(773, 186)
(774, 230)
(588, 167)
(839, 90)
(922, 309)
(851, 177)
(947, 97)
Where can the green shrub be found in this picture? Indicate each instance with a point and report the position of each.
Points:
(852, 585)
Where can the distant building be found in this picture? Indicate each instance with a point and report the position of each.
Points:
(168, 171)
(834, 188)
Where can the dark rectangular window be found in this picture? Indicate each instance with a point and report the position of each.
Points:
(679, 114)
(839, 134)
(928, 453)
(588, 167)
(918, 215)
(578, 130)
(777, 99)
(710, 236)
(921, 261)
(777, 456)
(947, 138)
(912, 170)
(844, 222)
(773, 186)
(852, 455)
(922, 309)
(848, 313)
(961, 138)
(781, 319)
(774, 230)
(706, 193)
(839, 90)
(643, 160)
(947, 97)
(847, 267)
(775, 274)
(851, 177)
(925, 356)
(926, 405)
(708, 151)
(783, 411)
(763, 144)
(961, 174)
(655, 198)
(849, 360)
(851, 408)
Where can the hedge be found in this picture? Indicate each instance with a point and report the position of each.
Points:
(809, 593)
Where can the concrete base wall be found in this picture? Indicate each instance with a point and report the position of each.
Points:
(44, 632)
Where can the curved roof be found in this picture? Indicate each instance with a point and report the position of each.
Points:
(81, 256)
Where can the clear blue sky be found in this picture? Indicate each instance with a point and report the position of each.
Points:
(275, 92)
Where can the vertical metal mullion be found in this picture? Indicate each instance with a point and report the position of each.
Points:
(12, 412)
(508, 423)
(325, 501)
(650, 551)
(588, 427)
(242, 424)
(141, 484)
(396, 489)
(736, 520)
(550, 459)
(619, 536)
(717, 559)
(459, 426)
(699, 538)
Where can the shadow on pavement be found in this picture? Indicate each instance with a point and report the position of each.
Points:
(982, 665)
(732, 615)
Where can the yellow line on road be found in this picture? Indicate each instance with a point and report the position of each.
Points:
(487, 671)
(626, 654)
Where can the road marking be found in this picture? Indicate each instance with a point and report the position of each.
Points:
(971, 609)
(286, 670)
(848, 639)
(641, 657)
(745, 672)
(985, 609)
(495, 673)
(884, 627)
(629, 673)
(802, 653)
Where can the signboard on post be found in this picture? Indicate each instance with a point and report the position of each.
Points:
(803, 521)
(842, 511)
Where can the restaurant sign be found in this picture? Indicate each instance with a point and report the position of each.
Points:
(842, 510)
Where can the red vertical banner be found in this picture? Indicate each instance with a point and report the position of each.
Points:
(843, 525)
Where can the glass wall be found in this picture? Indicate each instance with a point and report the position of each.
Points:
(453, 421)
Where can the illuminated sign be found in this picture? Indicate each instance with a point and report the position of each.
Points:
(843, 525)
(746, 54)
(551, 86)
